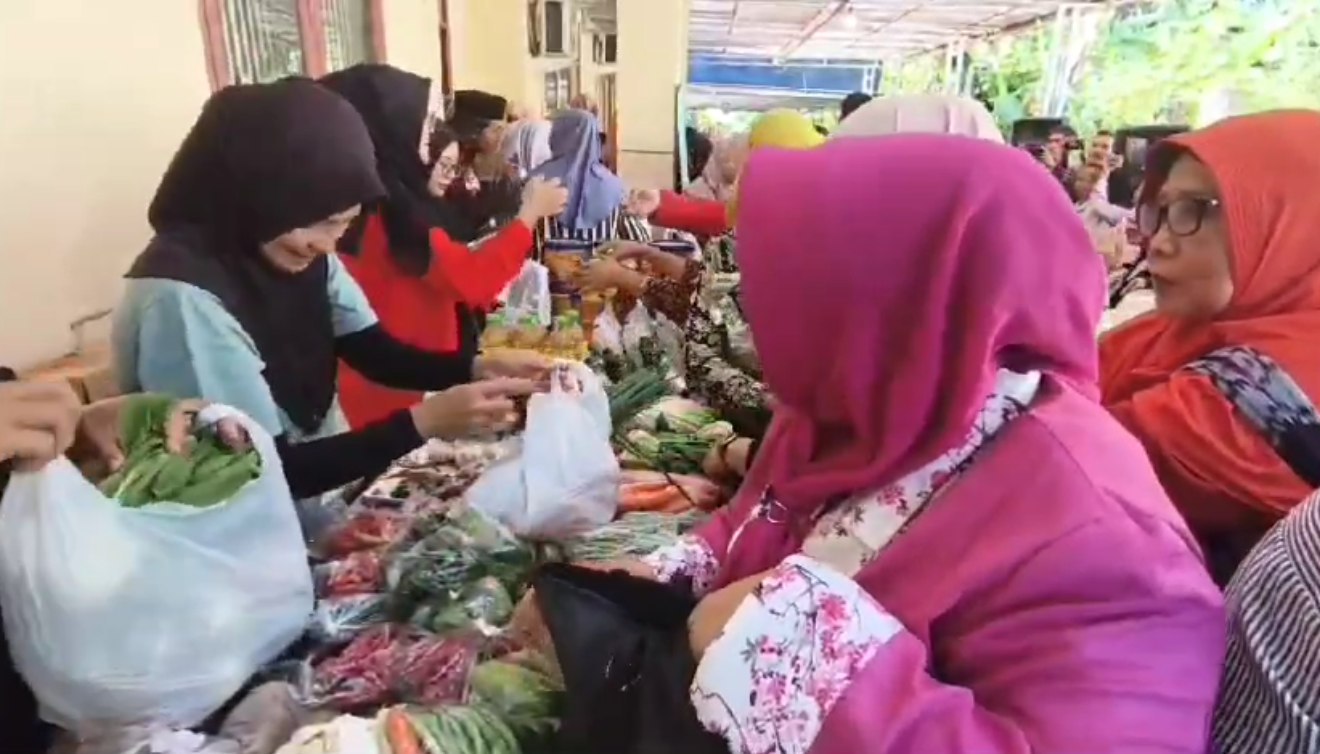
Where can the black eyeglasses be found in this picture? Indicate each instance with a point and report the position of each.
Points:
(1183, 217)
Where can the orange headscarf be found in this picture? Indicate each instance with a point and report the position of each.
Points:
(1267, 166)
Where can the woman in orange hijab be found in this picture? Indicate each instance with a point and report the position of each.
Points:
(1220, 382)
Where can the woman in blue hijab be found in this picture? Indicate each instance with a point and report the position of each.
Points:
(595, 211)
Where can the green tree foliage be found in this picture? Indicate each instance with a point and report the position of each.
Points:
(1153, 63)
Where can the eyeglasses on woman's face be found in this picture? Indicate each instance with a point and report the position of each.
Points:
(1181, 217)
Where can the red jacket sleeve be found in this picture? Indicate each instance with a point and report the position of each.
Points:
(702, 217)
(476, 276)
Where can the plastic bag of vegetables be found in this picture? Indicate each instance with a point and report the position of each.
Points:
(156, 614)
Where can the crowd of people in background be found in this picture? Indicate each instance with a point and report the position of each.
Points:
(966, 519)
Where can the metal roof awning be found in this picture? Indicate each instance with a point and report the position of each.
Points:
(852, 30)
(756, 99)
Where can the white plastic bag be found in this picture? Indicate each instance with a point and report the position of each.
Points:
(561, 477)
(607, 333)
(529, 293)
(153, 615)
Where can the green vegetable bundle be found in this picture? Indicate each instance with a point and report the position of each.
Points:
(633, 535)
(527, 698)
(464, 728)
(461, 550)
(208, 473)
(634, 394)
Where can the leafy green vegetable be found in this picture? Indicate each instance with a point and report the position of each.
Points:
(207, 474)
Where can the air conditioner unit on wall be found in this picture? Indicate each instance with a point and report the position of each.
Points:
(549, 31)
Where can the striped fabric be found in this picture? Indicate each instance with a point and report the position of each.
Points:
(619, 226)
(1269, 701)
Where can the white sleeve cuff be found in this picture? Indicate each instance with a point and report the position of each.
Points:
(786, 656)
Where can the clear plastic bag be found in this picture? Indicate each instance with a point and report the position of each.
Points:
(340, 619)
(529, 294)
(388, 664)
(607, 333)
(154, 615)
(564, 477)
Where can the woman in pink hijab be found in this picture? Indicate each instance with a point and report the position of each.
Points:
(945, 544)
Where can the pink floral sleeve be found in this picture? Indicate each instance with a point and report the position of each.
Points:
(786, 656)
(689, 556)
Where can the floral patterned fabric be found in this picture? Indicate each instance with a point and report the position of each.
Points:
(850, 535)
(768, 682)
(688, 557)
(790, 650)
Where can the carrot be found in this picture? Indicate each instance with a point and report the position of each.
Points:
(400, 734)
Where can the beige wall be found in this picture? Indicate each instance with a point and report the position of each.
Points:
(95, 95)
(94, 101)
(652, 64)
(412, 35)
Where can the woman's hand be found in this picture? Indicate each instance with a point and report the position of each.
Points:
(714, 611)
(520, 364)
(643, 202)
(728, 459)
(659, 262)
(475, 408)
(38, 421)
(100, 445)
(542, 198)
(607, 274)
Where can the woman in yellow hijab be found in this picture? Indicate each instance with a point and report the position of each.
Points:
(707, 218)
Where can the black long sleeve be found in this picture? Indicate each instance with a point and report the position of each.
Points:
(318, 466)
(383, 359)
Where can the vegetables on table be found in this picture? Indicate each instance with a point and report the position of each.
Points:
(400, 735)
(635, 393)
(667, 493)
(475, 728)
(209, 473)
(633, 535)
(674, 414)
(484, 606)
(388, 664)
(526, 698)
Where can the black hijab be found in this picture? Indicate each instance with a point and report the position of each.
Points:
(262, 160)
(472, 110)
(394, 104)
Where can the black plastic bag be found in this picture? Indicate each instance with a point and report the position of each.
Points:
(622, 646)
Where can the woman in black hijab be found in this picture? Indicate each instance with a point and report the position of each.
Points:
(239, 299)
(406, 250)
(488, 190)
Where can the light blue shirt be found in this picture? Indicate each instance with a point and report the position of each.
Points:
(175, 338)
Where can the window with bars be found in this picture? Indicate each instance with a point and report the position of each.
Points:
(254, 41)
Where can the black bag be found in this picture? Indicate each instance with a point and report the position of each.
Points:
(622, 645)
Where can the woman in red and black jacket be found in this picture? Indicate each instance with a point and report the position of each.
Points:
(409, 253)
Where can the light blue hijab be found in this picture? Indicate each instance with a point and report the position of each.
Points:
(593, 191)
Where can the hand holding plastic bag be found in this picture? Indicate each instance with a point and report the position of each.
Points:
(154, 615)
(562, 477)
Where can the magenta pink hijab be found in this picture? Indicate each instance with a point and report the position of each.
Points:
(886, 280)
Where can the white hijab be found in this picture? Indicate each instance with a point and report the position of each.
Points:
(920, 113)
(526, 144)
